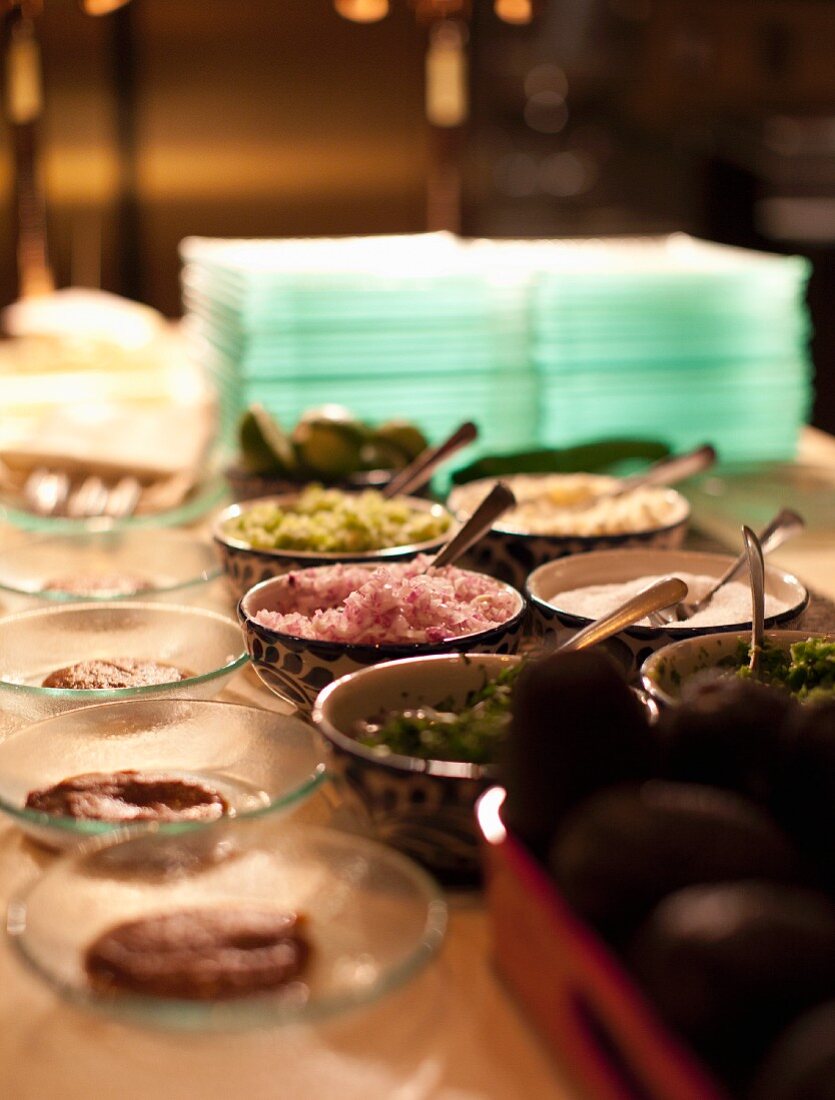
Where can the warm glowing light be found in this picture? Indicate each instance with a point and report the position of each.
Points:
(488, 814)
(102, 7)
(362, 11)
(514, 11)
(446, 75)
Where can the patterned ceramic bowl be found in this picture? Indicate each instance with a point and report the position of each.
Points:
(246, 566)
(550, 622)
(664, 671)
(297, 669)
(512, 555)
(423, 807)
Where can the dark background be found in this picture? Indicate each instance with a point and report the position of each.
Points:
(279, 118)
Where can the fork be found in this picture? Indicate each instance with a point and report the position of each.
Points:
(51, 493)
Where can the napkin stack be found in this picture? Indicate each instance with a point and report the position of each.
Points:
(542, 343)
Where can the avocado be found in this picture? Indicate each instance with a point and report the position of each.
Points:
(264, 446)
(729, 965)
(329, 448)
(801, 1064)
(727, 733)
(575, 727)
(625, 848)
(803, 799)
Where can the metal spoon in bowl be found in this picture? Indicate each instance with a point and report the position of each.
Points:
(666, 471)
(756, 573)
(784, 525)
(498, 500)
(662, 593)
(420, 469)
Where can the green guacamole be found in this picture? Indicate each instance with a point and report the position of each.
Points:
(329, 521)
(471, 734)
(806, 669)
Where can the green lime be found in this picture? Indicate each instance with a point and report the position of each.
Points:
(329, 448)
(265, 447)
(379, 454)
(409, 438)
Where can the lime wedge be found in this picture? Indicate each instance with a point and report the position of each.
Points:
(265, 447)
(329, 448)
(401, 433)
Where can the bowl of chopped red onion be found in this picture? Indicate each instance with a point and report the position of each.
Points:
(307, 628)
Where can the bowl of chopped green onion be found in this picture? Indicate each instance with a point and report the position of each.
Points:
(797, 662)
(414, 743)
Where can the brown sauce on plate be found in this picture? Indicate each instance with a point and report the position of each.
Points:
(200, 954)
(129, 796)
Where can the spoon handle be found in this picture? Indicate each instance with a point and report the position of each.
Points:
(785, 525)
(420, 469)
(498, 500)
(661, 594)
(669, 470)
(756, 570)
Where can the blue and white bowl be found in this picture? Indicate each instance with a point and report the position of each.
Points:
(552, 623)
(246, 567)
(297, 669)
(511, 555)
(423, 807)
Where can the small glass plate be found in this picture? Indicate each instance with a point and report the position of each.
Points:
(373, 918)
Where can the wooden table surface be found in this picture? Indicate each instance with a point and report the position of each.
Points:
(451, 1034)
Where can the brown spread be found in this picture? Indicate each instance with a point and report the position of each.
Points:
(120, 672)
(129, 796)
(200, 954)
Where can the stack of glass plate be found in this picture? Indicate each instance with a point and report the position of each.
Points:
(675, 339)
(389, 326)
(542, 343)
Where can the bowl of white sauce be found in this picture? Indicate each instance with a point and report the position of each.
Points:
(560, 514)
(567, 594)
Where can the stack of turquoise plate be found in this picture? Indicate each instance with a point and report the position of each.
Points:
(672, 338)
(388, 326)
(542, 343)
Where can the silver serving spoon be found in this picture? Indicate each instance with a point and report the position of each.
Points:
(662, 593)
(420, 469)
(756, 572)
(666, 471)
(498, 500)
(784, 526)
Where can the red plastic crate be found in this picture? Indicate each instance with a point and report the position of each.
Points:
(601, 1029)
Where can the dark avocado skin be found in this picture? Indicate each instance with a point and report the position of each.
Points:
(625, 848)
(728, 966)
(726, 733)
(801, 1064)
(803, 799)
(575, 727)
